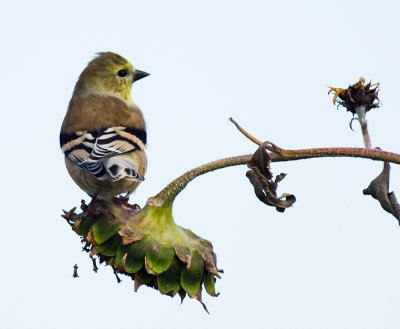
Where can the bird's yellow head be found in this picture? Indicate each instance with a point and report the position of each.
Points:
(108, 73)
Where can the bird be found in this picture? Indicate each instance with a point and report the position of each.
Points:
(103, 135)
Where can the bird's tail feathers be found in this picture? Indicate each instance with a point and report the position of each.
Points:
(119, 167)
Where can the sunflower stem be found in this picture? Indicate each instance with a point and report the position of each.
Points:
(169, 193)
(364, 127)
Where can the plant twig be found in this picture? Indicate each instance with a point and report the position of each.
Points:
(244, 132)
(354, 152)
(168, 194)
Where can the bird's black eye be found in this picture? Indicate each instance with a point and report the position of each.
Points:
(122, 73)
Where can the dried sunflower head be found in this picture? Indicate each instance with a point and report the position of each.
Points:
(356, 96)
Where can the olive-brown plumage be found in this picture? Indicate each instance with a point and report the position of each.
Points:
(103, 135)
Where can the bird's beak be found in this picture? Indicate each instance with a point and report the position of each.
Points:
(139, 75)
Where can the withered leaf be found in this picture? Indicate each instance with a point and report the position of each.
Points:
(379, 190)
(261, 161)
(260, 177)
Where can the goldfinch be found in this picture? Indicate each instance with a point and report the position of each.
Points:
(103, 134)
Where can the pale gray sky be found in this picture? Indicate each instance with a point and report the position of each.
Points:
(331, 261)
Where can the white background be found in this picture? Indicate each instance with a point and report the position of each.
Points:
(330, 261)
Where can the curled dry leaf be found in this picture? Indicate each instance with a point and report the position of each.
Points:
(379, 190)
(260, 176)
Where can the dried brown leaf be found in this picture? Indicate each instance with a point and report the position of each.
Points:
(261, 161)
(265, 188)
(379, 190)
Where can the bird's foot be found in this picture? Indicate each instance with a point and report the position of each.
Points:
(124, 202)
(88, 209)
(94, 208)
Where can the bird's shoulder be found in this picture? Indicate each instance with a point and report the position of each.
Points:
(92, 112)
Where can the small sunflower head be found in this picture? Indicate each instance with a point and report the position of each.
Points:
(358, 95)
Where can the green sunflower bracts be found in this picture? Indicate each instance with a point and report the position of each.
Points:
(147, 246)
